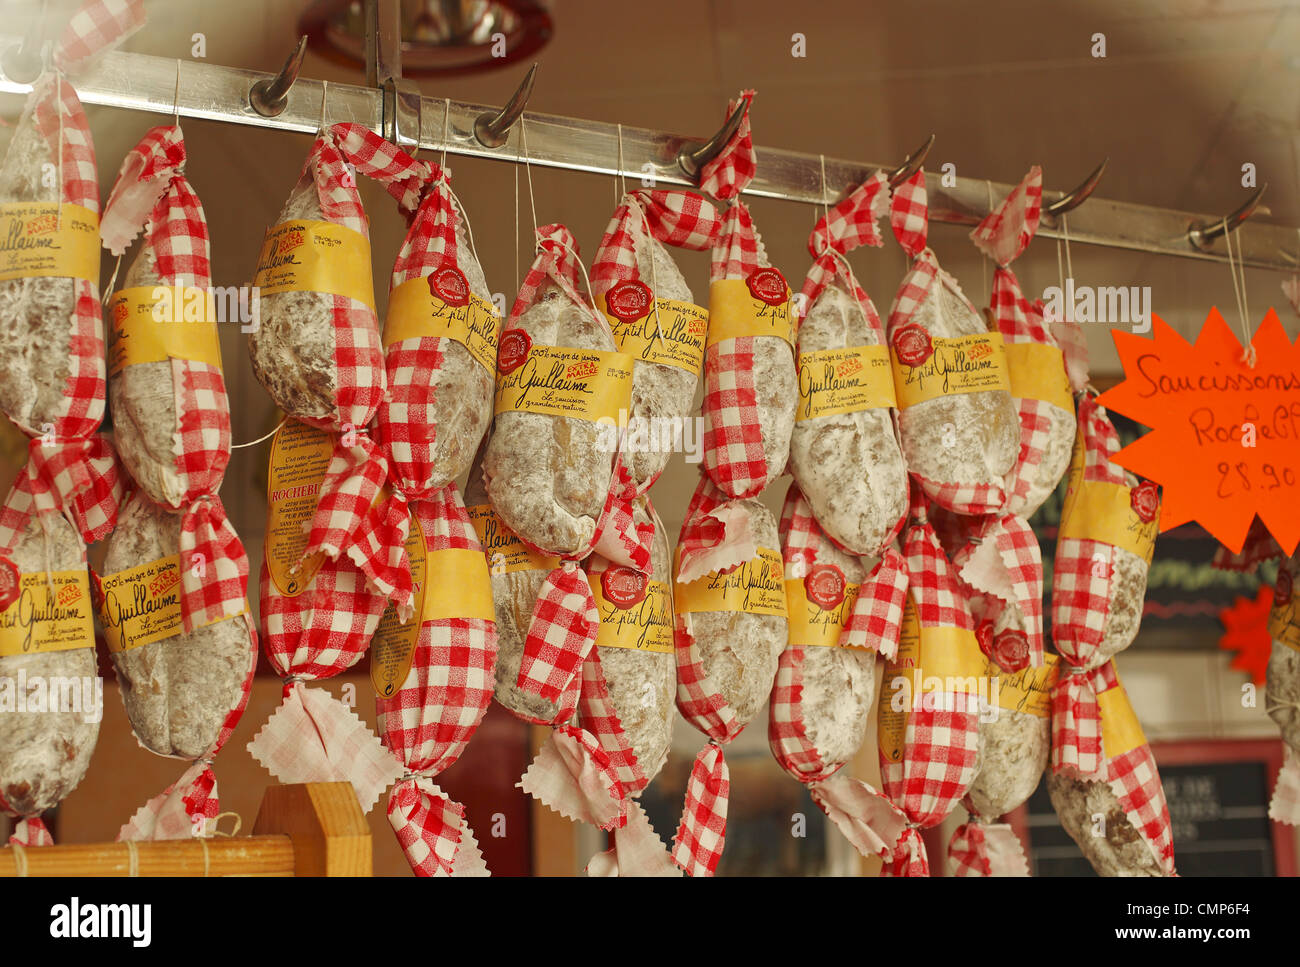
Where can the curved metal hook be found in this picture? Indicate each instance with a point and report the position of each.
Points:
(1204, 234)
(22, 64)
(1073, 199)
(911, 164)
(493, 130)
(693, 160)
(269, 97)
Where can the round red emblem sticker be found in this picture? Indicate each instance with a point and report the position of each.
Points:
(512, 351)
(8, 583)
(623, 587)
(984, 637)
(768, 285)
(1011, 650)
(1145, 500)
(629, 300)
(825, 586)
(450, 285)
(912, 344)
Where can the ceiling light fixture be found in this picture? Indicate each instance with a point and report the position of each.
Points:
(439, 37)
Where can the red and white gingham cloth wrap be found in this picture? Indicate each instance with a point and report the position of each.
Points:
(941, 739)
(405, 425)
(909, 217)
(70, 468)
(878, 611)
(867, 819)
(733, 434)
(152, 185)
(319, 633)
(1006, 561)
(986, 849)
(429, 720)
(1132, 776)
(715, 536)
(357, 468)
(678, 218)
(1081, 585)
(571, 774)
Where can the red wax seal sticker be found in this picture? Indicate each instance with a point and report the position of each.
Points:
(769, 286)
(8, 583)
(913, 345)
(1011, 650)
(984, 636)
(1282, 593)
(623, 586)
(512, 351)
(1145, 500)
(825, 586)
(450, 285)
(629, 300)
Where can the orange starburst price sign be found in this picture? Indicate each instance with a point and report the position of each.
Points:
(1225, 436)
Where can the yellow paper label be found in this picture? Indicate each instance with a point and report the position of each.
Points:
(1120, 730)
(735, 312)
(835, 381)
(813, 625)
(502, 549)
(583, 384)
(1284, 622)
(675, 338)
(1037, 372)
(311, 256)
(414, 311)
(47, 239)
(393, 646)
(142, 604)
(40, 621)
(1030, 689)
(1101, 511)
(458, 586)
(755, 587)
(965, 364)
(147, 327)
(300, 455)
(645, 625)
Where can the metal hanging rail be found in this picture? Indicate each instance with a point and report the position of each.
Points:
(141, 82)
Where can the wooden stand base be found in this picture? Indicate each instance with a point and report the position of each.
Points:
(311, 829)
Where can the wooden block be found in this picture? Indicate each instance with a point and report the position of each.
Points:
(324, 820)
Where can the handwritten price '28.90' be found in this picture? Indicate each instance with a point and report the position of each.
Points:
(1234, 479)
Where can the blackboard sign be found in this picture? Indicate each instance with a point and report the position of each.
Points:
(1184, 592)
(1218, 793)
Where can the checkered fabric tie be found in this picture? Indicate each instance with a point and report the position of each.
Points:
(431, 718)
(986, 849)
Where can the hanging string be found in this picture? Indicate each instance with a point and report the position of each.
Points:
(58, 101)
(324, 92)
(518, 279)
(1236, 269)
(528, 170)
(267, 436)
(176, 97)
(984, 273)
(621, 182)
(446, 126)
(826, 209)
